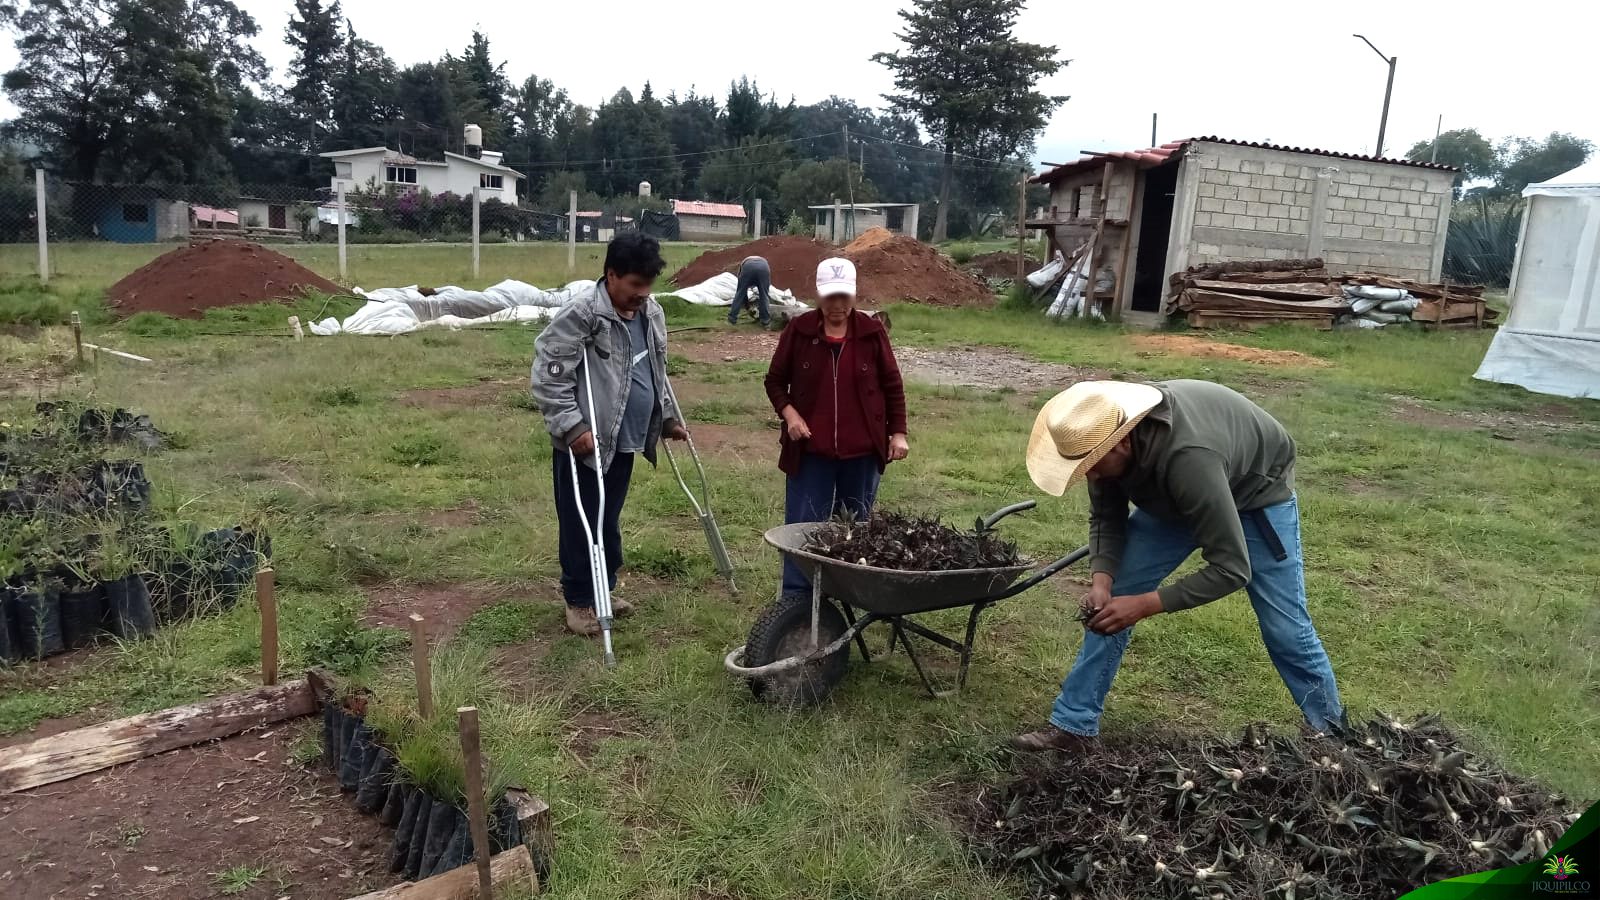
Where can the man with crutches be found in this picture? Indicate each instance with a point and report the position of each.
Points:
(599, 377)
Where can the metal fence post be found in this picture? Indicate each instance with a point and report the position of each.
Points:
(755, 229)
(477, 200)
(572, 230)
(44, 236)
(340, 213)
(833, 234)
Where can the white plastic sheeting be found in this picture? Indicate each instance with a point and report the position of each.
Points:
(1551, 340)
(391, 311)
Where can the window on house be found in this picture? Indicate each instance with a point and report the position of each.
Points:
(400, 174)
(135, 212)
(496, 182)
(1077, 199)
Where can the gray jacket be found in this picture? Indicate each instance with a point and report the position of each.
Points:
(588, 332)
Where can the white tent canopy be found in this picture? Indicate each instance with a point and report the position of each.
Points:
(1551, 341)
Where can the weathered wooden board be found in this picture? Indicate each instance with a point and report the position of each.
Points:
(91, 749)
(1197, 299)
(509, 870)
(1291, 291)
(1204, 319)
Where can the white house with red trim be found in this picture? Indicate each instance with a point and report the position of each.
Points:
(699, 220)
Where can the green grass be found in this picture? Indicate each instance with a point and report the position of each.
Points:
(1448, 570)
(238, 879)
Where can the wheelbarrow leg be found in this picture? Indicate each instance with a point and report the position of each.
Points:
(966, 648)
(861, 640)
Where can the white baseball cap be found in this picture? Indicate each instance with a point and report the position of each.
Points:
(836, 276)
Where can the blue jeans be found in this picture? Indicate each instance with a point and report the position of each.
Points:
(759, 278)
(572, 546)
(1277, 591)
(824, 488)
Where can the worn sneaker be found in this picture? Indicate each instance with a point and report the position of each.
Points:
(582, 622)
(1052, 738)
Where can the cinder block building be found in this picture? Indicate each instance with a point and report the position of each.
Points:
(1149, 213)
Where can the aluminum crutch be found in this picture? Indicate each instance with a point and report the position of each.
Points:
(702, 511)
(599, 574)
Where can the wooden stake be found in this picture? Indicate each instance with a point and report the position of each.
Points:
(73, 753)
(423, 664)
(267, 599)
(77, 336)
(1022, 225)
(477, 815)
(294, 326)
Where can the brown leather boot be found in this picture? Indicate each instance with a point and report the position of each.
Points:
(582, 622)
(1053, 738)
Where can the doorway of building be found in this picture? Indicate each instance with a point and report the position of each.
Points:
(1155, 228)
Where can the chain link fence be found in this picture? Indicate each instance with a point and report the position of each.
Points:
(390, 214)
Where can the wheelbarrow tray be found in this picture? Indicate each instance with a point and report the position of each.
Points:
(890, 592)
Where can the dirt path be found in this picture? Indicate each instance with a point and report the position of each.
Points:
(1184, 345)
(988, 368)
(192, 824)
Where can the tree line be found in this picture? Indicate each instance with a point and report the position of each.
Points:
(172, 91)
(1499, 171)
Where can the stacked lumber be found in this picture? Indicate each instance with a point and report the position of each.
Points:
(1251, 293)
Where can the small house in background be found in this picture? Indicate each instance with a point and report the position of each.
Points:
(599, 226)
(842, 222)
(136, 214)
(457, 173)
(1149, 213)
(699, 220)
(256, 213)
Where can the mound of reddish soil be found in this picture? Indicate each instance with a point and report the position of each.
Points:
(206, 274)
(872, 237)
(793, 261)
(1000, 265)
(888, 269)
(903, 268)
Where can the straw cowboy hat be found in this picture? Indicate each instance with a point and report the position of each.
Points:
(1080, 425)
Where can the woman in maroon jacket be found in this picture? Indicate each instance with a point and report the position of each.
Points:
(835, 383)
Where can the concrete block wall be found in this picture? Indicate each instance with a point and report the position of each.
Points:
(1088, 184)
(1253, 203)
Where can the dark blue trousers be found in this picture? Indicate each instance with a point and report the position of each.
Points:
(573, 546)
(824, 488)
(760, 278)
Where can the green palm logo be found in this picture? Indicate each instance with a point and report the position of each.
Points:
(1560, 867)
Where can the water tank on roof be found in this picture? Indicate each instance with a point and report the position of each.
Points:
(473, 138)
(644, 188)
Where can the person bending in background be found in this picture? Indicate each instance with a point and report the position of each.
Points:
(835, 383)
(617, 333)
(753, 273)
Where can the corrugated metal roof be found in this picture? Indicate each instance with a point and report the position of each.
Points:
(1155, 156)
(704, 208)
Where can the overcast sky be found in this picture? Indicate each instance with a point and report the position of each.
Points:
(1243, 69)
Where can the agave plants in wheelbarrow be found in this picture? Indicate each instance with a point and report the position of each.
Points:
(798, 649)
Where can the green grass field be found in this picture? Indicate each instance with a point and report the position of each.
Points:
(1450, 528)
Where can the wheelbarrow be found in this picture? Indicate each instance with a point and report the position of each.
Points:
(799, 647)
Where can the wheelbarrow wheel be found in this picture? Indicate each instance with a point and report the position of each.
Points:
(784, 630)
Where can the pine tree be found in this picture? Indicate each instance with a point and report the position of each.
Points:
(970, 81)
(317, 42)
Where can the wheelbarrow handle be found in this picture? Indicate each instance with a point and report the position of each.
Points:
(990, 520)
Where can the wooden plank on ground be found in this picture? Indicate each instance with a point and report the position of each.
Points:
(509, 870)
(91, 749)
(1203, 319)
(1254, 265)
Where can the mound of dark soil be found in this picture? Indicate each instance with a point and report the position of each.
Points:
(1000, 265)
(889, 540)
(793, 261)
(207, 274)
(1381, 809)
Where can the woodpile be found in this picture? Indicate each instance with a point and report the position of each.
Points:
(1252, 293)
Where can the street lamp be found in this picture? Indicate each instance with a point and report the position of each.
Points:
(1383, 123)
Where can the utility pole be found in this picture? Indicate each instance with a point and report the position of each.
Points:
(1153, 130)
(850, 186)
(1433, 155)
(1022, 224)
(1383, 123)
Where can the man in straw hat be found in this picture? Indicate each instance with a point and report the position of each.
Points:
(1204, 468)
